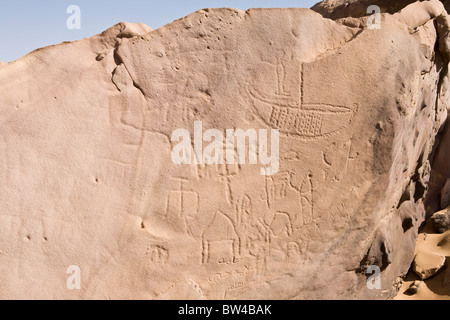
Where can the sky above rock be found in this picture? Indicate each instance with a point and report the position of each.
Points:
(27, 25)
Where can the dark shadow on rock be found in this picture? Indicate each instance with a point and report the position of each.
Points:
(435, 284)
(440, 170)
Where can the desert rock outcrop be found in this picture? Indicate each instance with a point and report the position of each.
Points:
(441, 220)
(427, 265)
(87, 176)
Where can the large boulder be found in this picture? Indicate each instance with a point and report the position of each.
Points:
(427, 265)
(88, 177)
(441, 220)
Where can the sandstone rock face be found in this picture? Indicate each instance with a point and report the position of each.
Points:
(88, 179)
(427, 265)
(441, 220)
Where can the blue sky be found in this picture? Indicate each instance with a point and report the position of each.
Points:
(26, 25)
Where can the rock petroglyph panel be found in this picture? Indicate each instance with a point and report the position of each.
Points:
(89, 179)
(282, 106)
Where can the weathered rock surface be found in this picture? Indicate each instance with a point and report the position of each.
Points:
(88, 180)
(427, 265)
(441, 220)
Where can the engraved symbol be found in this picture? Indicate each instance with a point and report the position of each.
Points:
(244, 211)
(292, 250)
(280, 231)
(220, 241)
(276, 187)
(259, 251)
(306, 192)
(284, 109)
(281, 225)
(222, 172)
(337, 157)
(157, 254)
(280, 187)
(182, 205)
